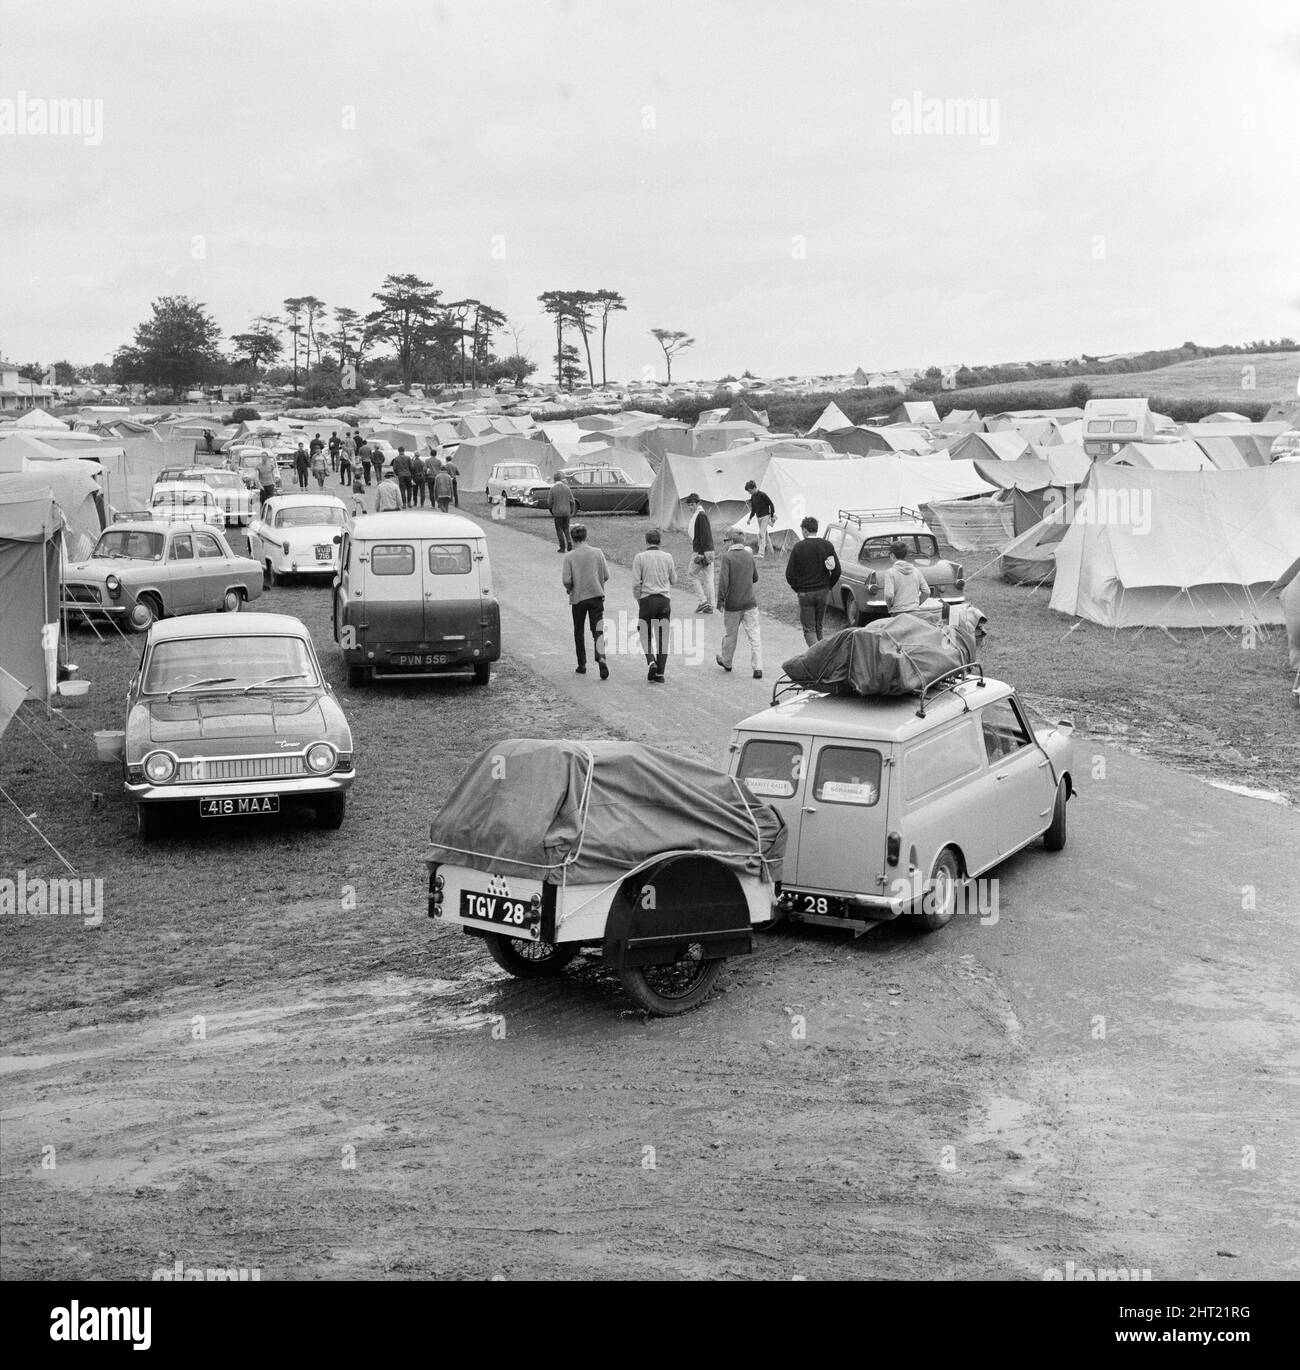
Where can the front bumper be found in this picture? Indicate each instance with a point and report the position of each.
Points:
(146, 792)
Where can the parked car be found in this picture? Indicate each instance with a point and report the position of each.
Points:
(413, 596)
(282, 449)
(228, 488)
(298, 535)
(893, 808)
(517, 483)
(190, 501)
(661, 864)
(142, 570)
(234, 716)
(862, 539)
(606, 490)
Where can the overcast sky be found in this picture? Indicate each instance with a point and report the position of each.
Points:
(740, 169)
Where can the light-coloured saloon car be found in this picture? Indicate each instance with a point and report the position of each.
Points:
(233, 718)
(141, 570)
(894, 803)
(298, 535)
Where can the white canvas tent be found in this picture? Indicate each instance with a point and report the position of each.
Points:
(1004, 446)
(823, 488)
(1180, 549)
(1163, 456)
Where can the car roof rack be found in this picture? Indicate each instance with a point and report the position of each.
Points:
(949, 680)
(865, 516)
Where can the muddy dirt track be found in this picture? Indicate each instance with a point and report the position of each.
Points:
(300, 1073)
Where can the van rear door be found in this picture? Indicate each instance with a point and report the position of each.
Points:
(452, 597)
(394, 594)
(840, 846)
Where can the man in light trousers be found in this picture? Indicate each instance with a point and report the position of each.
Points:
(737, 576)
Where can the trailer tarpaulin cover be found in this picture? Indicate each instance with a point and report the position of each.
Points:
(892, 656)
(588, 812)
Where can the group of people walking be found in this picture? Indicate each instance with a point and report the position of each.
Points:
(357, 461)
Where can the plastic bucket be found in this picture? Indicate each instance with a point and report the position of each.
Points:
(109, 745)
(74, 692)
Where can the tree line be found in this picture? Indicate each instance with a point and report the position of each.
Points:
(411, 335)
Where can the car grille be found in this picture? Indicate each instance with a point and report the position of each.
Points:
(82, 594)
(242, 768)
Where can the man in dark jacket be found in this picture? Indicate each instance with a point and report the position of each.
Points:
(700, 532)
(419, 480)
(559, 501)
(762, 509)
(813, 569)
(301, 464)
(402, 470)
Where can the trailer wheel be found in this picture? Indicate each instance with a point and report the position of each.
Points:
(674, 988)
(529, 960)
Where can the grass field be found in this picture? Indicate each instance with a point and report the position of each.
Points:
(1195, 699)
(1215, 378)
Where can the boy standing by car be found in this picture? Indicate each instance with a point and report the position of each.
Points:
(737, 576)
(813, 569)
(700, 532)
(654, 573)
(584, 574)
(903, 585)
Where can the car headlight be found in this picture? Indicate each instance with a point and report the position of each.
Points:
(113, 586)
(159, 767)
(320, 758)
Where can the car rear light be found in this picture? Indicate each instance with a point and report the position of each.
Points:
(893, 846)
(284, 547)
(437, 887)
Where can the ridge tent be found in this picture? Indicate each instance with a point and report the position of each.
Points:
(597, 423)
(38, 418)
(999, 446)
(740, 412)
(823, 488)
(1030, 557)
(1253, 440)
(30, 585)
(475, 457)
(719, 481)
(1223, 454)
(866, 440)
(715, 437)
(914, 411)
(961, 421)
(76, 489)
(1179, 549)
(1162, 456)
(829, 420)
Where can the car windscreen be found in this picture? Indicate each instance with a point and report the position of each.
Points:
(236, 662)
(311, 516)
(520, 473)
(129, 542)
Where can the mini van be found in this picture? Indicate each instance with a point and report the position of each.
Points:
(413, 597)
(895, 803)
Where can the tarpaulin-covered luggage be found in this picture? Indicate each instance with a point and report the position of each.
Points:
(892, 656)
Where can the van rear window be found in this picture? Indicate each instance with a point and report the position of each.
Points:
(938, 761)
(847, 775)
(392, 559)
(449, 558)
(771, 770)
